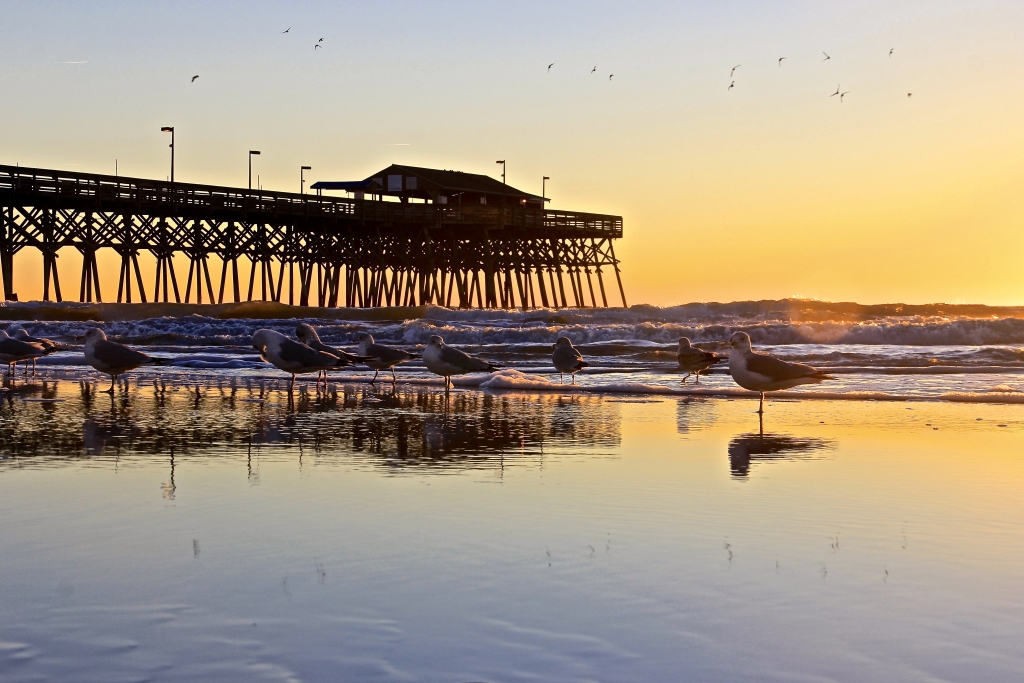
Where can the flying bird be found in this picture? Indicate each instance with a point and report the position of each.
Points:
(909, 94)
(760, 372)
(320, 41)
(826, 57)
(731, 86)
(567, 359)
(287, 29)
(891, 51)
(317, 45)
(842, 95)
(610, 76)
(836, 92)
(593, 70)
(780, 60)
(694, 360)
(734, 70)
(194, 78)
(549, 66)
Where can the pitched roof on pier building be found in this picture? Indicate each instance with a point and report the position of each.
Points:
(437, 186)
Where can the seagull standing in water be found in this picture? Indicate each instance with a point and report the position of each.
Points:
(112, 358)
(446, 361)
(567, 359)
(13, 351)
(292, 356)
(48, 346)
(308, 336)
(694, 360)
(760, 372)
(380, 357)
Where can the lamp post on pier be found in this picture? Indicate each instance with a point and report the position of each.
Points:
(302, 178)
(543, 189)
(170, 129)
(502, 162)
(251, 153)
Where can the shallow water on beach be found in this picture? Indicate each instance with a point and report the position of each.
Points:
(894, 352)
(226, 533)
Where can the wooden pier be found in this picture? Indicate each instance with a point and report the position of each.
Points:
(311, 250)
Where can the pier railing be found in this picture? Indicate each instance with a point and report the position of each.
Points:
(113, 193)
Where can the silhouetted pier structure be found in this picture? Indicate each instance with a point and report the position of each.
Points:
(331, 251)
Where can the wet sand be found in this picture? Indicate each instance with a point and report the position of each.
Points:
(218, 533)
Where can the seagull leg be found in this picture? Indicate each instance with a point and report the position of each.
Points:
(375, 373)
(574, 378)
(394, 378)
(292, 385)
(113, 379)
(760, 407)
(697, 381)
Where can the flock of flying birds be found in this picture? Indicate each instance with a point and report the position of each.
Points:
(751, 370)
(839, 90)
(592, 71)
(316, 46)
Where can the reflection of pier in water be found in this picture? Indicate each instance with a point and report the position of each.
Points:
(413, 428)
(746, 448)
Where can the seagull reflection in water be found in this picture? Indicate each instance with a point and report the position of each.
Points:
(746, 448)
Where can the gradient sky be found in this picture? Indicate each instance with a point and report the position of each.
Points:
(768, 190)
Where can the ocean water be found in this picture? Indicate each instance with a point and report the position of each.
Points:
(219, 532)
(939, 352)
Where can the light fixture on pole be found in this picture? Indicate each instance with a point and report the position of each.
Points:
(502, 162)
(543, 188)
(302, 178)
(251, 152)
(170, 129)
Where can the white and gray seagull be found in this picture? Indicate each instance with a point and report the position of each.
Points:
(760, 372)
(307, 335)
(292, 356)
(380, 357)
(112, 358)
(48, 346)
(567, 359)
(13, 351)
(694, 360)
(446, 361)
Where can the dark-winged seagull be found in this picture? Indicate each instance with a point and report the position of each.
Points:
(734, 70)
(48, 346)
(308, 336)
(567, 359)
(112, 358)
(380, 357)
(13, 351)
(291, 356)
(194, 78)
(760, 372)
(446, 361)
(694, 360)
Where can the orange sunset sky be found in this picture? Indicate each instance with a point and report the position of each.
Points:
(769, 189)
